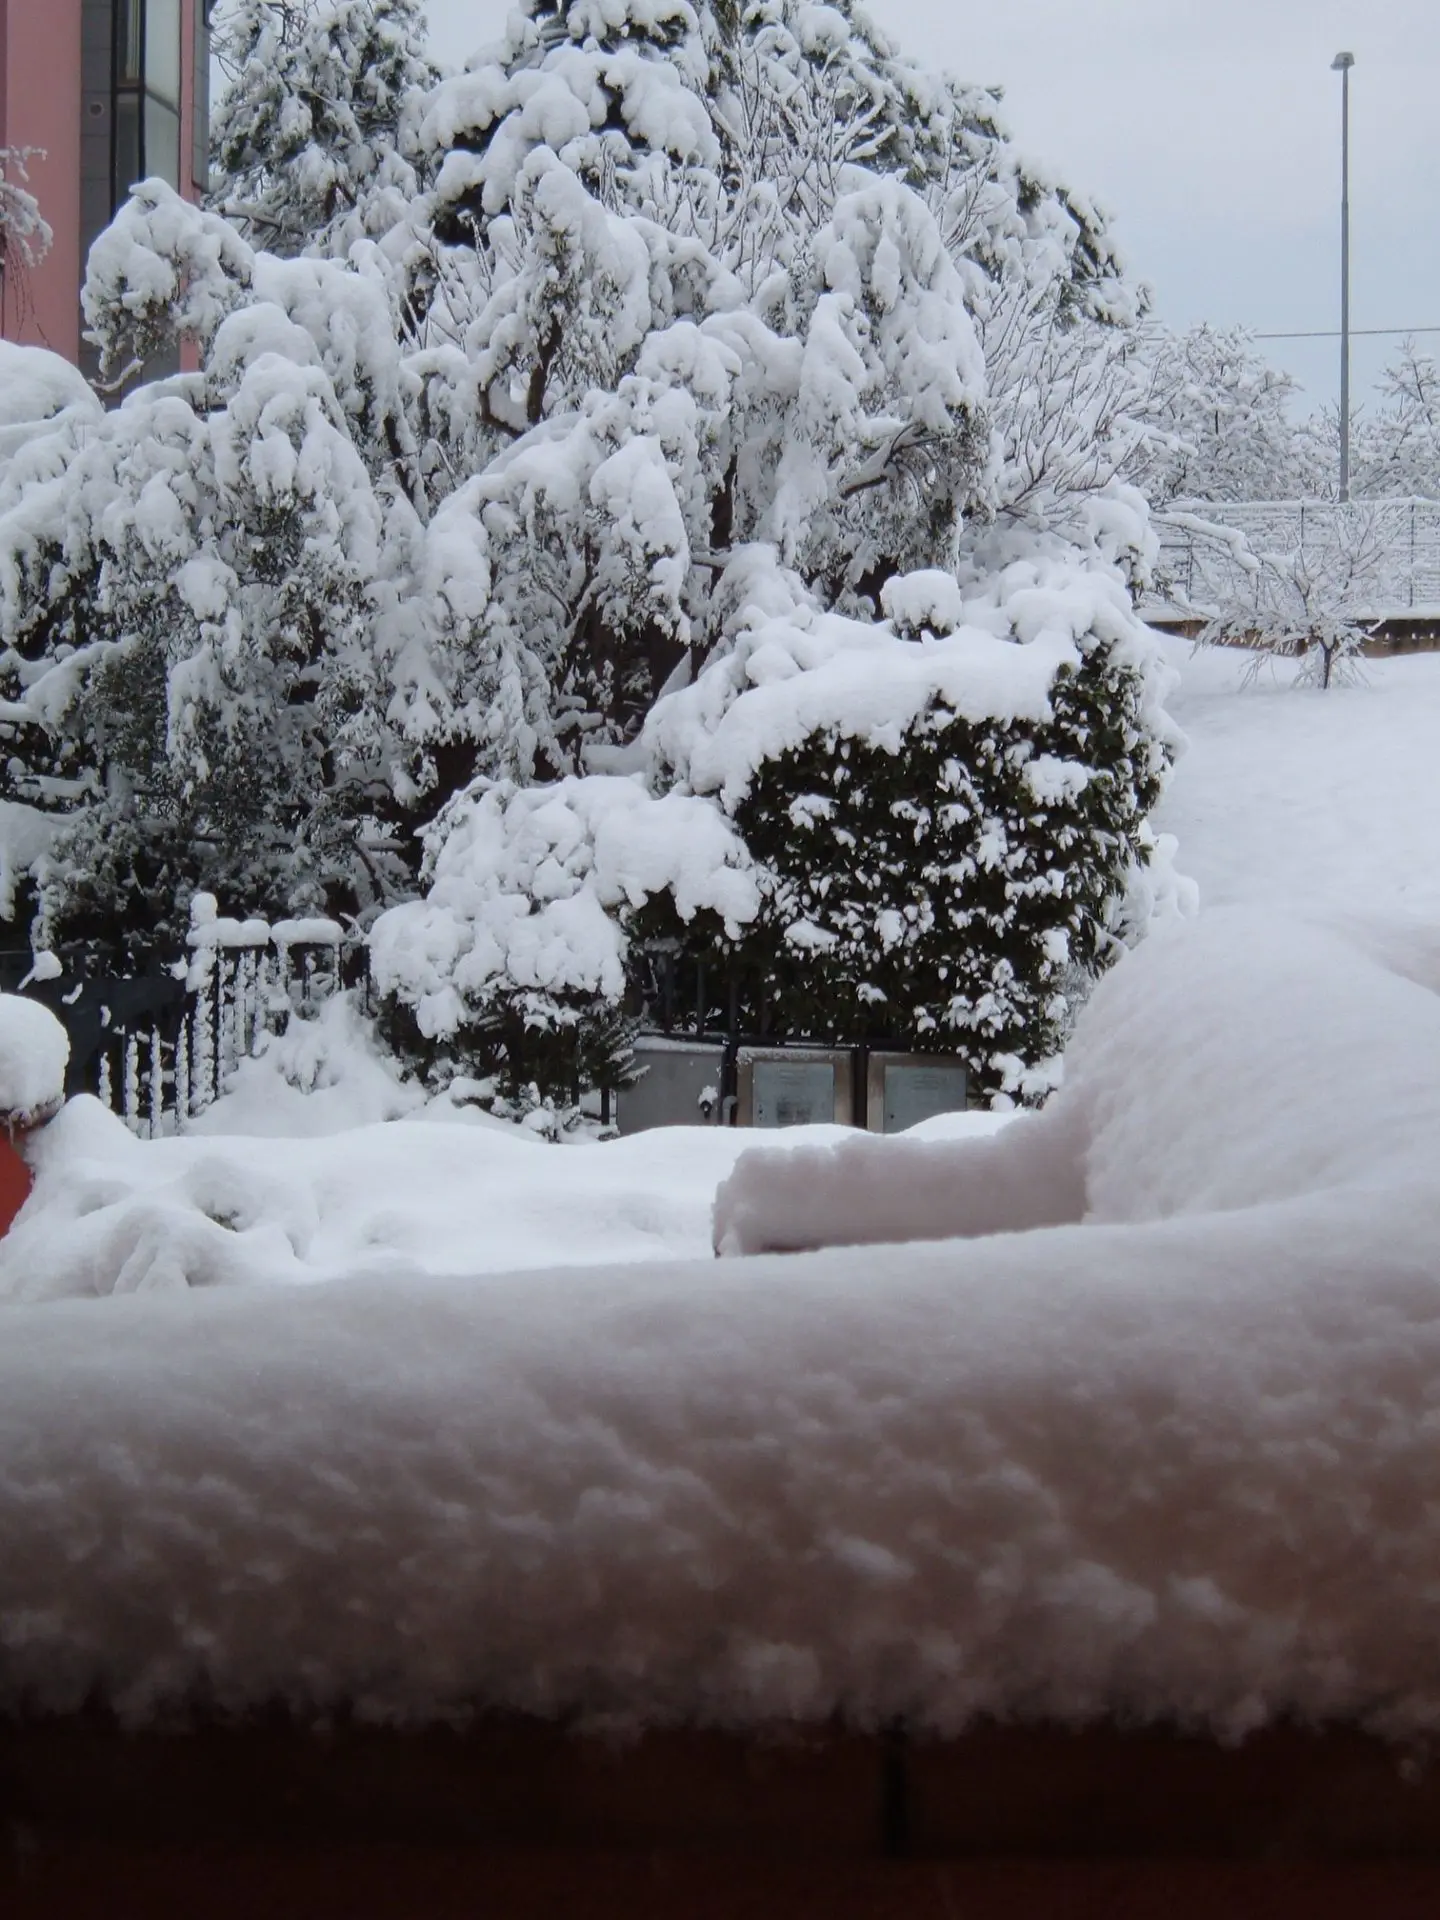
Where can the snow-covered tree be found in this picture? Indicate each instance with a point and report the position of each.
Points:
(708, 325)
(924, 831)
(25, 235)
(1314, 602)
(305, 135)
(193, 593)
(1224, 423)
(1399, 443)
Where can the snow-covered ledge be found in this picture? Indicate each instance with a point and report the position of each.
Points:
(1175, 1464)
(1101, 1474)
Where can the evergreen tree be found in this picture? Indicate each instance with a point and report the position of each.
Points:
(305, 137)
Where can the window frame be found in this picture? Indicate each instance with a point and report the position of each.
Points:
(142, 79)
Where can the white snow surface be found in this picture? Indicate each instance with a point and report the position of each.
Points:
(1294, 799)
(298, 1175)
(1164, 1448)
(34, 1053)
(806, 673)
(39, 389)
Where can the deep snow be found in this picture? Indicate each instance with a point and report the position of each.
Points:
(1175, 1463)
(1307, 801)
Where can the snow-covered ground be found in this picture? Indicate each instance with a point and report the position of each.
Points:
(1308, 801)
(116, 1214)
(1170, 1454)
(1146, 1426)
(357, 1175)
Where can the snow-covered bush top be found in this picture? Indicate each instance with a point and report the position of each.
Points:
(791, 677)
(38, 388)
(34, 1053)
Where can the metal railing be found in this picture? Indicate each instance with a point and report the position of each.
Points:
(1202, 570)
(158, 1046)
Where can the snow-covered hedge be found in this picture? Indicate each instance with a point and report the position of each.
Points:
(947, 826)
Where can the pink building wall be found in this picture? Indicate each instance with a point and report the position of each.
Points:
(40, 107)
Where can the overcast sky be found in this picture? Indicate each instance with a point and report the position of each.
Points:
(1210, 131)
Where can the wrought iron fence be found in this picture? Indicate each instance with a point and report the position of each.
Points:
(159, 1045)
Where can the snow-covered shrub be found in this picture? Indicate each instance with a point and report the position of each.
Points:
(945, 826)
(515, 959)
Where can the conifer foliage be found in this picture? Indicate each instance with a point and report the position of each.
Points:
(305, 138)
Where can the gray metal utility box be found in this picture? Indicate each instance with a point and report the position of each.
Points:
(680, 1087)
(794, 1087)
(902, 1089)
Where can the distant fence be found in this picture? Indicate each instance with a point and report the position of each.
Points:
(159, 1045)
(1204, 571)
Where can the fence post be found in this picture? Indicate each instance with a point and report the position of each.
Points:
(157, 1086)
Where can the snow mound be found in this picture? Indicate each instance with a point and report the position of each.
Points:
(273, 1187)
(1238, 1061)
(34, 1053)
(1169, 1458)
(1338, 796)
(321, 1076)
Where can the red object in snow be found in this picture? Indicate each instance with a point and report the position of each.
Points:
(16, 1178)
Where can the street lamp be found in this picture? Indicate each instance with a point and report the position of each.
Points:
(1342, 64)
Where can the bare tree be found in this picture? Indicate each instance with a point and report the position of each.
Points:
(1314, 603)
(25, 235)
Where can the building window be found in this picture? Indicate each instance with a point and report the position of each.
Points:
(147, 93)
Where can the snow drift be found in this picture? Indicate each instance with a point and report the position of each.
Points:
(1251, 1062)
(1174, 1462)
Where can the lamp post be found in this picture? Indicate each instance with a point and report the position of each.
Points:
(1342, 64)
